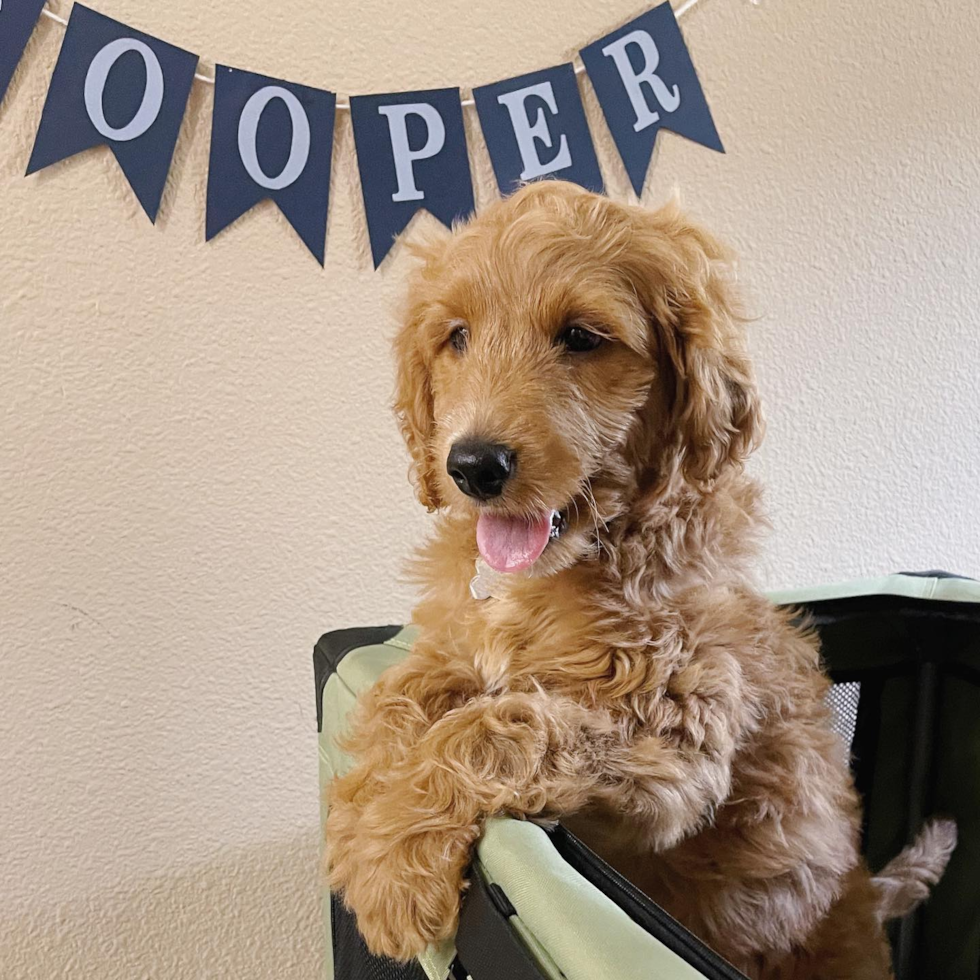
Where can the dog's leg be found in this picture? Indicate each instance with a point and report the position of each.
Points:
(388, 722)
(400, 855)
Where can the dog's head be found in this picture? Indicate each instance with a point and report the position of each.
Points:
(564, 357)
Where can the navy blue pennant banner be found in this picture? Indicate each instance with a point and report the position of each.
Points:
(534, 126)
(273, 140)
(645, 81)
(17, 20)
(411, 155)
(120, 88)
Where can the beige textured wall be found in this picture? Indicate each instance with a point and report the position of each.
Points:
(198, 472)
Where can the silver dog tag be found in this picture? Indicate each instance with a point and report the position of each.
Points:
(483, 583)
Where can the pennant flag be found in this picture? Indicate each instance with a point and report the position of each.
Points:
(17, 20)
(645, 81)
(411, 155)
(534, 126)
(270, 139)
(116, 87)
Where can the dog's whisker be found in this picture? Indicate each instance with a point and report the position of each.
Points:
(597, 519)
(589, 495)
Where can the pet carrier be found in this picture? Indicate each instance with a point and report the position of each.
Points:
(904, 652)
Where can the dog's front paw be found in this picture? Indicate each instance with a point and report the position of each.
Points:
(402, 883)
(405, 893)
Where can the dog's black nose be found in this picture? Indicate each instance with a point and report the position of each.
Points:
(480, 469)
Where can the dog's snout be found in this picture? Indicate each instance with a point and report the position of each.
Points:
(480, 469)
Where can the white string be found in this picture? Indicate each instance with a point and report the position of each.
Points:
(345, 106)
(684, 8)
(53, 16)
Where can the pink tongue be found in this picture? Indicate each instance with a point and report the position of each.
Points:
(509, 544)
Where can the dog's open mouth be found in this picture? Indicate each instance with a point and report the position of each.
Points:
(510, 544)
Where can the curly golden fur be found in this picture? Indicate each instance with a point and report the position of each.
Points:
(631, 682)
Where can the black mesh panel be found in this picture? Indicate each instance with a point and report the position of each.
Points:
(844, 700)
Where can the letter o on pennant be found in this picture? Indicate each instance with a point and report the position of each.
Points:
(248, 128)
(95, 80)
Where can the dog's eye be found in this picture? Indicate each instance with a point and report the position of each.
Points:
(578, 339)
(459, 338)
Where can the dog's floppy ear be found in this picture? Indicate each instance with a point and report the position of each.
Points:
(413, 408)
(413, 386)
(682, 275)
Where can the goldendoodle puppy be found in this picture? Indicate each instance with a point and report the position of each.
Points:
(578, 404)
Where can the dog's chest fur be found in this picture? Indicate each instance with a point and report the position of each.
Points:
(708, 669)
